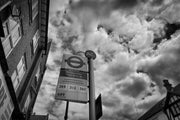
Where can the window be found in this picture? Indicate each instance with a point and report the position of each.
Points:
(21, 68)
(34, 8)
(36, 78)
(38, 72)
(15, 80)
(178, 104)
(35, 40)
(6, 114)
(174, 107)
(173, 110)
(175, 98)
(27, 103)
(12, 33)
(18, 73)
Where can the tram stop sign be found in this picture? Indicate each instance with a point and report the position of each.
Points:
(72, 82)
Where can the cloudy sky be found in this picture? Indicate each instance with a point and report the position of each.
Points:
(137, 43)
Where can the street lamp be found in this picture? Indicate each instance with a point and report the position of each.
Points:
(91, 56)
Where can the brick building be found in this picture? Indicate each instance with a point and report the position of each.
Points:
(24, 49)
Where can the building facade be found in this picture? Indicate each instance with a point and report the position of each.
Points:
(166, 109)
(24, 49)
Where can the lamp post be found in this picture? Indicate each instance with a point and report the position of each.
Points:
(91, 56)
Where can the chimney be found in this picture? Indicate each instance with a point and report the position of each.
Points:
(167, 85)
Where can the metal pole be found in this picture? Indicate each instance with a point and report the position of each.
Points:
(66, 113)
(92, 113)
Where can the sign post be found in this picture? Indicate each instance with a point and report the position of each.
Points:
(72, 82)
(91, 56)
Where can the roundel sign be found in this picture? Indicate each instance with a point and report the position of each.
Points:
(75, 62)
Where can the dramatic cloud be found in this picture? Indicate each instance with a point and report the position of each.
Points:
(134, 88)
(103, 7)
(166, 64)
(121, 69)
(137, 43)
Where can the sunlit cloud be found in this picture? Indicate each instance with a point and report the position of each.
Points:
(137, 46)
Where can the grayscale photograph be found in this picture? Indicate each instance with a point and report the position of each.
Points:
(90, 60)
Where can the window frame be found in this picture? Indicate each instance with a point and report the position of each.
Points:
(7, 41)
(38, 72)
(22, 67)
(33, 4)
(174, 107)
(27, 102)
(17, 79)
(35, 40)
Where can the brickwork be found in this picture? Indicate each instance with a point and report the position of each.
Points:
(24, 47)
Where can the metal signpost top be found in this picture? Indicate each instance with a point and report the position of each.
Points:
(90, 54)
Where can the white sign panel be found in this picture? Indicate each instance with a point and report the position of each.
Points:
(73, 79)
(6, 105)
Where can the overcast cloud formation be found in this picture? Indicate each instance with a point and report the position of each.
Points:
(137, 43)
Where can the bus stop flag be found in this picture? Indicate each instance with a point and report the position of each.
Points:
(73, 79)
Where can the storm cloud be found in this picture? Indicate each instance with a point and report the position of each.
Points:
(133, 89)
(137, 46)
